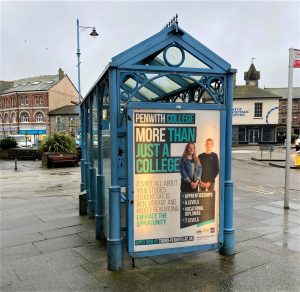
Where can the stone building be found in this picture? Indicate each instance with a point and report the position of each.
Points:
(25, 103)
(64, 119)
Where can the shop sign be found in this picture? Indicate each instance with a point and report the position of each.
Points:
(239, 112)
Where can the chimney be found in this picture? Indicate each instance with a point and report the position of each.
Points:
(61, 74)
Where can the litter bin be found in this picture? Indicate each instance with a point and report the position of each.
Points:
(297, 159)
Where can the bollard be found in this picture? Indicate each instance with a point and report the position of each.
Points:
(16, 164)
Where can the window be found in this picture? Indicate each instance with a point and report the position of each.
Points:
(283, 106)
(58, 119)
(295, 106)
(24, 118)
(6, 119)
(41, 100)
(36, 100)
(258, 109)
(283, 121)
(295, 120)
(24, 100)
(39, 118)
(14, 118)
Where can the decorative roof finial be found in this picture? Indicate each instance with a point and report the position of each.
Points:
(252, 60)
(173, 21)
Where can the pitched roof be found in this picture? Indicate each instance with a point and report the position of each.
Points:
(284, 92)
(248, 91)
(37, 83)
(65, 110)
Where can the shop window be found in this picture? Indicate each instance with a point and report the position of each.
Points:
(242, 134)
(268, 134)
(258, 109)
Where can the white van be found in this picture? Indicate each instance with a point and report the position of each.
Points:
(22, 141)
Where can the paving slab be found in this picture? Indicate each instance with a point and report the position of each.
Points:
(19, 252)
(58, 243)
(47, 264)
(73, 279)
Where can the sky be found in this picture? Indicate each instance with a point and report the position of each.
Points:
(39, 37)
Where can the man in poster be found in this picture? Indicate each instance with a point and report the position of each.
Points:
(210, 166)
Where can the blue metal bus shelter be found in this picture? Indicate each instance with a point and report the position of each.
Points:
(148, 104)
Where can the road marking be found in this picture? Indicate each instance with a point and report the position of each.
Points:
(261, 190)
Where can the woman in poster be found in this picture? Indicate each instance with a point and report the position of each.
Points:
(210, 166)
(190, 169)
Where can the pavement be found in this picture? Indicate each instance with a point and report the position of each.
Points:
(46, 246)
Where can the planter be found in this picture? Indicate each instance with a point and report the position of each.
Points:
(4, 153)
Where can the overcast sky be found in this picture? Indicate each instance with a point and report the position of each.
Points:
(37, 38)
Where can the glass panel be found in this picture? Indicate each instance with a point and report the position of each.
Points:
(147, 93)
(173, 56)
(242, 135)
(268, 134)
(131, 83)
(192, 62)
(95, 132)
(165, 84)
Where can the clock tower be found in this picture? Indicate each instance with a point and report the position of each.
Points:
(252, 76)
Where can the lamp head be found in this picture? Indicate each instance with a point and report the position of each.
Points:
(94, 33)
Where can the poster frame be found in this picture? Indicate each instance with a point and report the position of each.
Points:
(130, 175)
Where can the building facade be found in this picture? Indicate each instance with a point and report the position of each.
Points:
(255, 112)
(25, 103)
(64, 119)
(283, 92)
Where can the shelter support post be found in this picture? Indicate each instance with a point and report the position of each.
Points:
(92, 195)
(99, 217)
(115, 242)
(228, 244)
(87, 182)
(82, 164)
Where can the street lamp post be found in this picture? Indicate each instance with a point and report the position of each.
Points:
(93, 34)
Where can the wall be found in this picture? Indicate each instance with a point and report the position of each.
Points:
(62, 94)
(243, 111)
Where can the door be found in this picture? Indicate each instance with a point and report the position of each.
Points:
(253, 136)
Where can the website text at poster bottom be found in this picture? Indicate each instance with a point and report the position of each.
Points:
(164, 240)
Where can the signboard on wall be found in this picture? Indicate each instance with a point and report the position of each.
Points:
(164, 214)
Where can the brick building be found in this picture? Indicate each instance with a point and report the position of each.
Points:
(283, 93)
(25, 103)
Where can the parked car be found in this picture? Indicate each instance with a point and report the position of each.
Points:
(297, 143)
(22, 141)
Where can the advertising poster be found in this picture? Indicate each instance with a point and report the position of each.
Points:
(176, 178)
